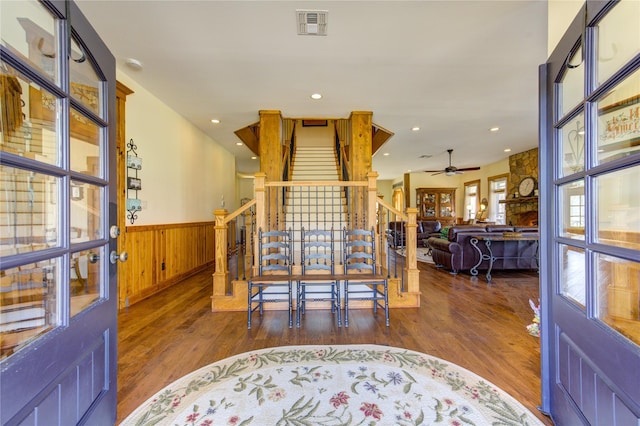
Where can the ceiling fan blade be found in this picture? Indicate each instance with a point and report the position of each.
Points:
(437, 173)
(433, 171)
(466, 169)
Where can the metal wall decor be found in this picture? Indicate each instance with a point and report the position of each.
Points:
(134, 184)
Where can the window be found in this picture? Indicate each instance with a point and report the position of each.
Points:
(576, 210)
(471, 199)
(497, 193)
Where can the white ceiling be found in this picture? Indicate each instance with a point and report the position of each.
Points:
(453, 68)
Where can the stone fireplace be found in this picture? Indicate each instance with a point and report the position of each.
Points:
(520, 210)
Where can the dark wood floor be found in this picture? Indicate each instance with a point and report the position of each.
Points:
(466, 321)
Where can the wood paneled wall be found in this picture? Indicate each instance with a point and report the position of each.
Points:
(161, 255)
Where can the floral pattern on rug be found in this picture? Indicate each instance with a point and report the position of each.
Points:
(331, 385)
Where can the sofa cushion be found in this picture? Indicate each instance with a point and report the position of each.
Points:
(454, 230)
(457, 253)
(429, 226)
(526, 229)
(444, 233)
(499, 228)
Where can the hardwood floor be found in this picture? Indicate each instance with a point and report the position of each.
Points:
(466, 321)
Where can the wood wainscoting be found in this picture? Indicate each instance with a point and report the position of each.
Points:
(162, 255)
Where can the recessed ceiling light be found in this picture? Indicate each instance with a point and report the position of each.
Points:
(494, 129)
(409, 171)
(415, 129)
(254, 158)
(386, 154)
(507, 150)
(316, 96)
(215, 121)
(239, 143)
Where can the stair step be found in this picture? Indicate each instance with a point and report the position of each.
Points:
(315, 207)
(314, 163)
(314, 148)
(314, 177)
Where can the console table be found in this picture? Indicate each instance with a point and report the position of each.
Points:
(488, 239)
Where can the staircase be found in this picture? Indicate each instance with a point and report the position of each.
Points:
(315, 207)
(311, 163)
(313, 198)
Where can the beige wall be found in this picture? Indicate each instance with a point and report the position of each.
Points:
(385, 189)
(427, 180)
(315, 136)
(560, 14)
(185, 174)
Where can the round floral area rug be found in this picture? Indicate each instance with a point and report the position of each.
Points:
(331, 385)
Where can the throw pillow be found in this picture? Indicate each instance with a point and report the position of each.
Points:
(444, 233)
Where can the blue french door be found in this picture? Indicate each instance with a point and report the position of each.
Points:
(590, 218)
(57, 284)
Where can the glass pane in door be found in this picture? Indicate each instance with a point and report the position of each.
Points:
(572, 146)
(29, 303)
(29, 214)
(571, 206)
(27, 29)
(572, 274)
(572, 84)
(619, 208)
(85, 144)
(85, 83)
(619, 120)
(618, 38)
(29, 112)
(618, 295)
(86, 211)
(86, 278)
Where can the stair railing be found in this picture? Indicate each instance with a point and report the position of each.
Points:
(233, 244)
(267, 212)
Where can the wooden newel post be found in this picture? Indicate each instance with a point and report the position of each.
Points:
(248, 252)
(261, 216)
(411, 242)
(221, 275)
(372, 198)
(371, 213)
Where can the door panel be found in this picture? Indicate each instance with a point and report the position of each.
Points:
(58, 320)
(590, 167)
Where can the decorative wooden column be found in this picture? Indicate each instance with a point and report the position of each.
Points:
(407, 189)
(122, 92)
(360, 162)
(271, 158)
(261, 218)
(221, 274)
(411, 266)
(372, 214)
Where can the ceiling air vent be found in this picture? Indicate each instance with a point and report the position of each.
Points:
(312, 22)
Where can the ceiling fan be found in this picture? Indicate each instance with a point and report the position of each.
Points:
(451, 170)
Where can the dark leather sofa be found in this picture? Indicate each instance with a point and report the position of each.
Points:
(457, 254)
(425, 229)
